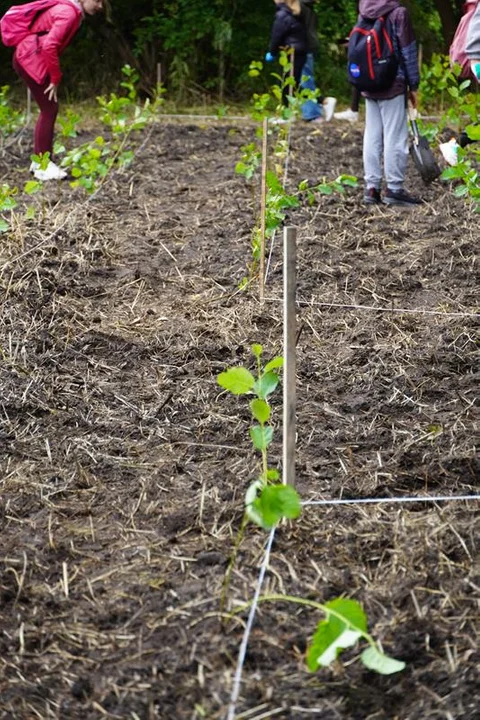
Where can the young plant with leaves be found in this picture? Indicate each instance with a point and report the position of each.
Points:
(465, 174)
(91, 162)
(267, 500)
(345, 623)
(10, 119)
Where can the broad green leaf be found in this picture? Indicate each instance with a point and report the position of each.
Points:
(349, 180)
(252, 491)
(375, 660)
(32, 186)
(277, 362)
(238, 381)
(273, 182)
(473, 132)
(261, 436)
(4, 226)
(250, 503)
(334, 634)
(277, 502)
(327, 645)
(266, 384)
(260, 410)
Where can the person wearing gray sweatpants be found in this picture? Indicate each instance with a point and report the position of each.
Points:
(385, 141)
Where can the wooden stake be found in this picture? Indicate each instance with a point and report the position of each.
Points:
(29, 105)
(289, 353)
(263, 210)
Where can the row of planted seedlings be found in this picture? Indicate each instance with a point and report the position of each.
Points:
(268, 500)
(89, 164)
(266, 172)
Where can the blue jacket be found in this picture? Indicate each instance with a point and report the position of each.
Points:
(408, 75)
(288, 31)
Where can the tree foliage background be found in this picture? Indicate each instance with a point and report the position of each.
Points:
(201, 49)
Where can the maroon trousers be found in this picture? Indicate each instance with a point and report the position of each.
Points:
(43, 134)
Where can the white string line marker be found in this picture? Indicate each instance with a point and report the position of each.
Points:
(406, 499)
(242, 653)
(414, 311)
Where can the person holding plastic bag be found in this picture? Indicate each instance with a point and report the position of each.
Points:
(50, 28)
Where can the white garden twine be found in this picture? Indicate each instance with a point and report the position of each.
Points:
(246, 635)
(373, 308)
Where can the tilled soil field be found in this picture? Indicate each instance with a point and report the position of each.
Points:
(124, 466)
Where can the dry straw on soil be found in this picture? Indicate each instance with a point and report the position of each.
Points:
(123, 467)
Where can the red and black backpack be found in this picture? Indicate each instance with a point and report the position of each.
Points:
(372, 63)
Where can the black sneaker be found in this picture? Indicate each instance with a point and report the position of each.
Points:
(400, 197)
(372, 196)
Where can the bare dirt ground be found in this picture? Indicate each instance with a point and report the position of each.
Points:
(123, 466)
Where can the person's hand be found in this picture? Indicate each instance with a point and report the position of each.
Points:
(51, 92)
(413, 98)
(269, 57)
(475, 68)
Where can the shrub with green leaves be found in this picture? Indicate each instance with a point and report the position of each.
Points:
(267, 500)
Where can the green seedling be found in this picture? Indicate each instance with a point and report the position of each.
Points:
(344, 625)
(327, 187)
(42, 159)
(10, 119)
(69, 124)
(89, 163)
(7, 204)
(267, 500)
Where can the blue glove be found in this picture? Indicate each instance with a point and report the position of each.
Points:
(475, 65)
(269, 57)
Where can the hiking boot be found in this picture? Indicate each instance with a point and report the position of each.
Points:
(372, 196)
(400, 197)
(350, 115)
(329, 107)
(449, 151)
(51, 172)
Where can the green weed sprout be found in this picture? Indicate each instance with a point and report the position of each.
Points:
(267, 500)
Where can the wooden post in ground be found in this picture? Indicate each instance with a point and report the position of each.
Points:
(289, 353)
(29, 106)
(263, 211)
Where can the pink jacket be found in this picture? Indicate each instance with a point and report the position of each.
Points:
(53, 30)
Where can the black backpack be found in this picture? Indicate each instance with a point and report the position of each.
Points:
(372, 63)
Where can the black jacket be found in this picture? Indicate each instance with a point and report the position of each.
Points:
(288, 31)
(311, 21)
